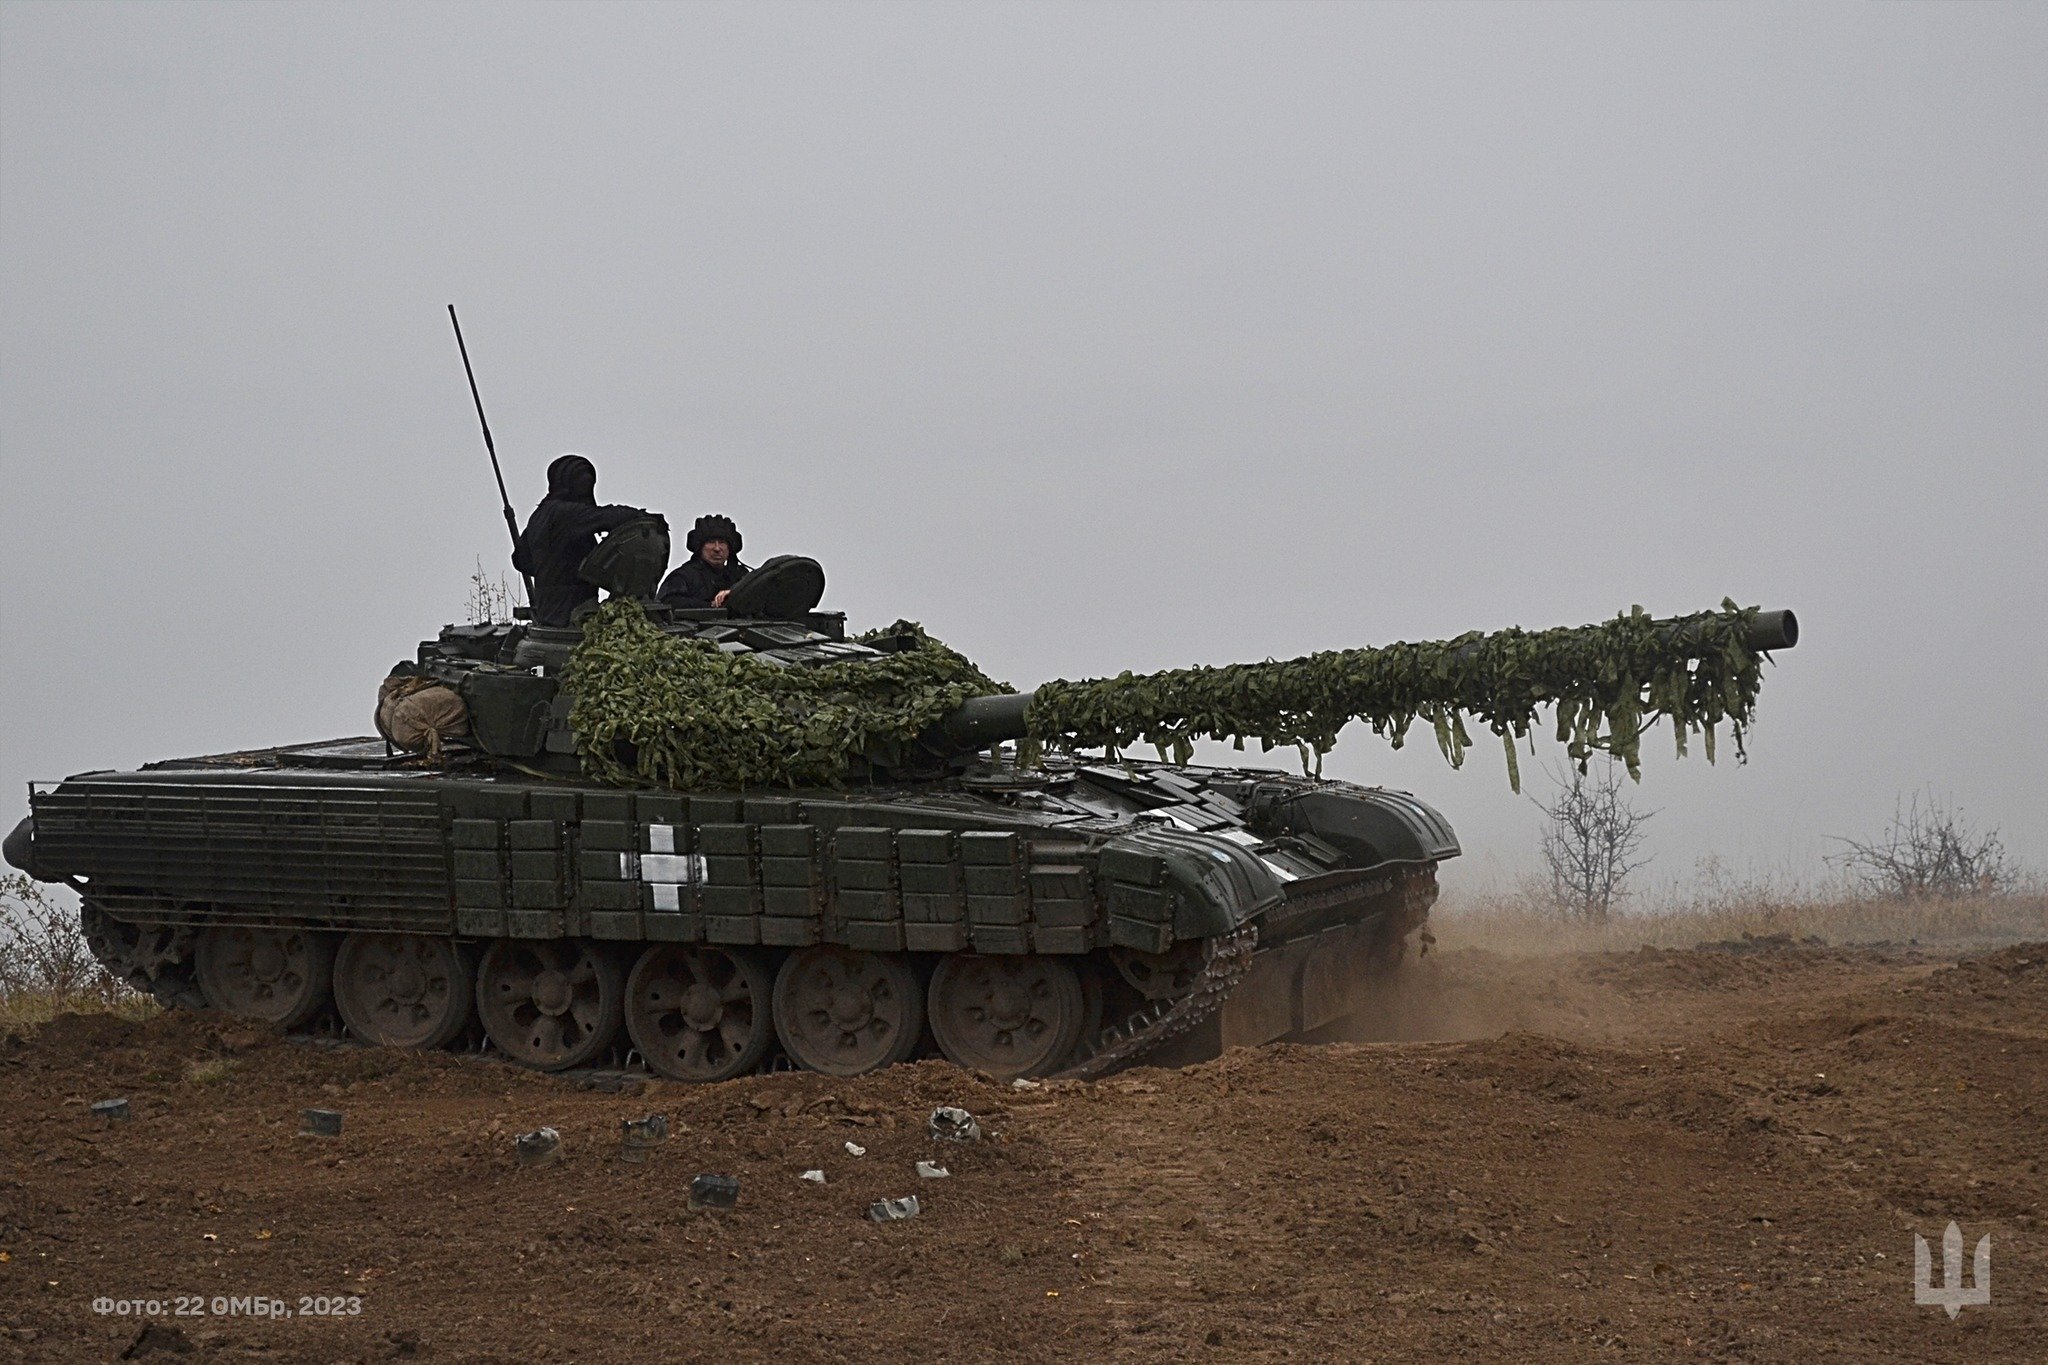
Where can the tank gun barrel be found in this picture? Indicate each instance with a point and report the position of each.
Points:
(1770, 630)
(981, 721)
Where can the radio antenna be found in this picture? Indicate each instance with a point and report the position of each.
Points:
(504, 500)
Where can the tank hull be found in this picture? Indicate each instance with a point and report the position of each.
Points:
(1202, 907)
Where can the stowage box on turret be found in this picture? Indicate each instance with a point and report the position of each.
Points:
(1063, 916)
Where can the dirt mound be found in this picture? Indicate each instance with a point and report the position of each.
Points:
(1707, 1153)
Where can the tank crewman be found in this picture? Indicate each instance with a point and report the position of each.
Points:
(704, 579)
(561, 531)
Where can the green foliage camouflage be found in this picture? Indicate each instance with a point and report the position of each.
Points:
(1608, 683)
(695, 717)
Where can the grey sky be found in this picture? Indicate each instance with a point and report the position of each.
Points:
(1093, 337)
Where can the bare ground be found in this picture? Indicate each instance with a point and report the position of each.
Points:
(1694, 1153)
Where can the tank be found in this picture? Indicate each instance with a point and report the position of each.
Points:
(1019, 913)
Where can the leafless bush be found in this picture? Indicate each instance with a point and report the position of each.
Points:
(1928, 851)
(490, 599)
(1592, 840)
(43, 954)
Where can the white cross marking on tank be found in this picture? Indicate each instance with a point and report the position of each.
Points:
(663, 869)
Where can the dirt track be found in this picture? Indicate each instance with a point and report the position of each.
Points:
(1706, 1153)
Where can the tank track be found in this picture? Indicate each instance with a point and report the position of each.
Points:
(153, 959)
(1226, 959)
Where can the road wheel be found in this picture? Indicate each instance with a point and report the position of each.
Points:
(700, 1014)
(550, 1003)
(281, 976)
(844, 1012)
(403, 990)
(1007, 1016)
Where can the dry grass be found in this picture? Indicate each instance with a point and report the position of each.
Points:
(210, 1071)
(21, 1009)
(1525, 924)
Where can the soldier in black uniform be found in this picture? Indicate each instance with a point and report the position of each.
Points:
(560, 533)
(712, 569)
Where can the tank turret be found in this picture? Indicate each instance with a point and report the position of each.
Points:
(522, 712)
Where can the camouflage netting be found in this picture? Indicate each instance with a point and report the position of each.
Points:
(696, 717)
(1608, 682)
(699, 718)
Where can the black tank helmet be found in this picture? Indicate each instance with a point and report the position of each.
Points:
(572, 476)
(713, 527)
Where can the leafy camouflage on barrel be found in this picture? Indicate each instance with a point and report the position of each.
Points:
(1054, 914)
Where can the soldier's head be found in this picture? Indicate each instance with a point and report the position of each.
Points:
(572, 476)
(714, 539)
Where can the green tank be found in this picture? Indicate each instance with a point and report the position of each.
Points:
(957, 891)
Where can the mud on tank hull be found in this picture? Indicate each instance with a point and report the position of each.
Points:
(1020, 922)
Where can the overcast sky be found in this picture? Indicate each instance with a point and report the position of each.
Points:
(1091, 336)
